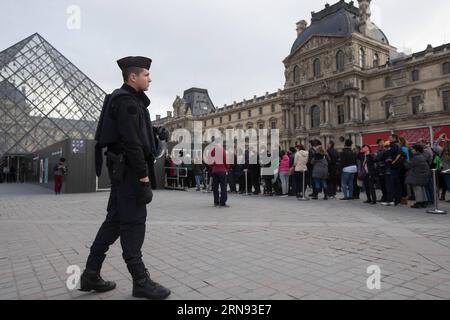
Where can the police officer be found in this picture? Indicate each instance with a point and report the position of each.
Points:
(125, 129)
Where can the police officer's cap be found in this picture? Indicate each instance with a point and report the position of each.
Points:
(139, 62)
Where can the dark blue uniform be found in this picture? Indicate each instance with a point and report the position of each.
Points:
(125, 128)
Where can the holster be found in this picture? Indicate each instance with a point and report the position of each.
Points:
(116, 165)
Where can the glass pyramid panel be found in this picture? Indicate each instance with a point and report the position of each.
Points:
(44, 98)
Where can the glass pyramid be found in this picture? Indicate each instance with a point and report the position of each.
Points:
(44, 98)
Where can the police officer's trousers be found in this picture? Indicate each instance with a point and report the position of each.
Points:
(125, 219)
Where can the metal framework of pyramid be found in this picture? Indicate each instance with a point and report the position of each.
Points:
(44, 98)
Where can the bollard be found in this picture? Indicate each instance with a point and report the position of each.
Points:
(304, 198)
(246, 186)
(436, 209)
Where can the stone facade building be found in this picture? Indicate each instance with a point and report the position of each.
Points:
(343, 79)
(263, 112)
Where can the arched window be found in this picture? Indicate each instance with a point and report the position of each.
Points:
(261, 125)
(316, 67)
(315, 117)
(376, 60)
(364, 112)
(362, 58)
(341, 114)
(340, 61)
(296, 74)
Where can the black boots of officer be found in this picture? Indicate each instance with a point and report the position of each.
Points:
(92, 281)
(144, 287)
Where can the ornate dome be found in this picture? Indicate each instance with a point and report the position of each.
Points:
(340, 19)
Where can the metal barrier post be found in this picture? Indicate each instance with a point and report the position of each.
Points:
(304, 197)
(207, 184)
(436, 209)
(246, 185)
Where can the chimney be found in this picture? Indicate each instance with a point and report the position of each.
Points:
(169, 114)
(301, 26)
(158, 117)
(364, 16)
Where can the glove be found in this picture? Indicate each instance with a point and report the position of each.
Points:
(145, 195)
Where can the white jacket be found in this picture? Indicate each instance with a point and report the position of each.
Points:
(301, 160)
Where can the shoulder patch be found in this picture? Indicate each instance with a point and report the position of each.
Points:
(132, 109)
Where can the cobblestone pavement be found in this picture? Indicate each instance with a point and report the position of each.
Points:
(260, 248)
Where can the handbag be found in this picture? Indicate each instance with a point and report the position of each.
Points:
(291, 171)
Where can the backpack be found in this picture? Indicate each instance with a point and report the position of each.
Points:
(437, 162)
(398, 162)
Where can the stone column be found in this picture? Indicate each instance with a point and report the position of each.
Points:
(307, 119)
(352, 108)
(353, 138)
(292, 112)
(358, 109)
(288, 119)
(348, 109)
(303, 115)
(331, 112)
(359, 139)
(324, 112)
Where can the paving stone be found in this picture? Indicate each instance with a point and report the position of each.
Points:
(260, 249)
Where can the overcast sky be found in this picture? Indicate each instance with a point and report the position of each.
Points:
(233, 48)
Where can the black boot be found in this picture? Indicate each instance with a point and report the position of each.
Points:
(419, 205)
(144, 287)
(92, 281)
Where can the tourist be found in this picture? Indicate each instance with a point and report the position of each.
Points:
(300, 169)
(332, 170)
(349, 169)
(59, 170)
(284, 173)
(320, 173)
(418, 176)
(368, 174)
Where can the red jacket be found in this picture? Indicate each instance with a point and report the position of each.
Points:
(218, 167)
(171, 170)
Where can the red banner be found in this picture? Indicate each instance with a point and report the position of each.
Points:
(414, 135)
(438, 131)
(371, 139)
(411, 135)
